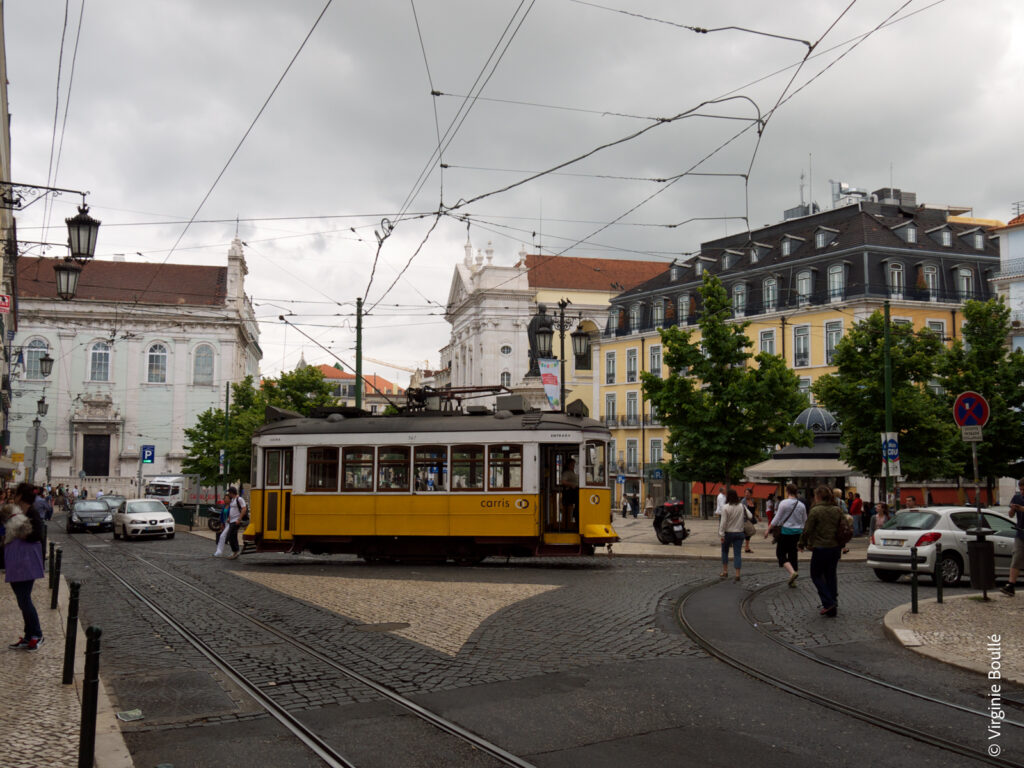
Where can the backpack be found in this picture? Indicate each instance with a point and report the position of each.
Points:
(844, 531)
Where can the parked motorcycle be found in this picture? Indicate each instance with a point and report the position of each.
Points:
(668, 523)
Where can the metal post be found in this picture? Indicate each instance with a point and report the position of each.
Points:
(71, 635)
(938, 571)
(52, 547)
(913, 579)
(90, 693)
(359, 353)
(561, 351)
(56, 580)
(887, 369)
(35, 449)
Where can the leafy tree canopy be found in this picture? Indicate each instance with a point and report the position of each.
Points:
(855, 395)
(723, 415)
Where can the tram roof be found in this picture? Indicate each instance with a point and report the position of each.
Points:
(502, 421)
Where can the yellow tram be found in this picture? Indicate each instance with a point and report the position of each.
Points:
(453, 485)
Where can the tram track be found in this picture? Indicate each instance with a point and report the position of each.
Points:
(308, 738)
(805, 693)
(746, 606)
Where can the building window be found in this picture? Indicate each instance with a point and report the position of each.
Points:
(739, 299)
(930, 274)
(836, 282)
(820, 239)
(506, 349)
(609, 407)
(35, 351)
(632, 452)
(938, 327)
(979, 241)
(322, 469)
(833, 333)
(613, 459)
(787, 246)
(805, 387)
(946, 237)
(631, 366)
(655, 451)
(801, 346)
(896, 280)
(698, 268)
(655, 417)
(506, 379)
(911, 235)
(632, 409)
(655, 367)
(613, 319)
(634, 317)
(609, 367)
(965, 283)
(658, 313)
(768, 342)
(770, 291)
(674, 272)
(99, 362)
(202, 365)
(156, 369)
(753, 255)
(683, 313)
(803, 287)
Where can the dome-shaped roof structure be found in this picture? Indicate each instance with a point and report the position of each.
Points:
(818, 421)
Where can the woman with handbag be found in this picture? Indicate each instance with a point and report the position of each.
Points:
(731, 531)
(750, 506)
(786, 527)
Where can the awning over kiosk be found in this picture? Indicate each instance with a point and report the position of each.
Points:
(810, 467)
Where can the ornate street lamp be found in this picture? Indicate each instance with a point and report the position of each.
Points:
(580, 341)
(41, 406)
(82, 232)
(45, 365)
(67, 272)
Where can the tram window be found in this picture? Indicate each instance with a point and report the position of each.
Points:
(506, 467)
(467, 467)
(273, 470)
(253, 466)
(286, 465)
(393, 468)
(430, 468)
(357, 462)
(596, 463)
(322, 469)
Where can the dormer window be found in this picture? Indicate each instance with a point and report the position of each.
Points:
(698, 268)
(946, 238)
(787, 247)
(753, 255)
(979, 241)
(674, 272)
(911, 234)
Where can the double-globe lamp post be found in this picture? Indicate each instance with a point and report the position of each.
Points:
(580, 342)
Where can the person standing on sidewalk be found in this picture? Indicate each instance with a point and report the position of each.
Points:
(23, 558)
(788, 524)
(820, 537)
(730, 531)
(750, 507)
(236, 511)
(1016, 509)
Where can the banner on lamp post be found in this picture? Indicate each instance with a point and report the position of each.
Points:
(549, 377)
(891, 454)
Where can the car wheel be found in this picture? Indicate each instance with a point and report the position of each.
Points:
(951, 569)
(889, 576)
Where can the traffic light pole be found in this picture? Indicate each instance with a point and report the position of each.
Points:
(887, 365)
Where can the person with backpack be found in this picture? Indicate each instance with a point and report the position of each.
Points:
(822, 534)
(237, 510)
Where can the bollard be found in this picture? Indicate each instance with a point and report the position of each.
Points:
(43, 539)
(56, 579)
(913, 579)
(90, 693)
(71, 635)
(52, 547)
(938, 572)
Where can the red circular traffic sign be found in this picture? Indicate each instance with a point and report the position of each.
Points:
(970, 410)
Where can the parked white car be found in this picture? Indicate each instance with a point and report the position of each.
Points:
(924, 527)
(143, 517)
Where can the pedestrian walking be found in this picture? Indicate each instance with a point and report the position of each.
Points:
(625, 505)
(750, 508)
(23, 559)
(649, 507)
(786, 527)
(819, 536)
(1016, 509)
(730, 531)
(236, 511)
(222, 537)
(857, 513)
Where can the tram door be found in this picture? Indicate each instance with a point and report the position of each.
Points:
(555, 516)
(277, 493)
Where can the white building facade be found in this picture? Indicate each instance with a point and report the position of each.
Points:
(1009, 281)
(140, 352)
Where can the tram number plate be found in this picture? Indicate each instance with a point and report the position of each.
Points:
(892, 543)
(677, 527)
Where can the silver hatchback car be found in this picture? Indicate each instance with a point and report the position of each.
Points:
(924, 527)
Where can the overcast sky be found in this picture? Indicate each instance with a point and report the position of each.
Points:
(163, 92)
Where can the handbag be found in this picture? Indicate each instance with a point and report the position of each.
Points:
(749, 529)
(776, 530)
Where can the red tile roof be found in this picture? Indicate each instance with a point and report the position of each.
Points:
(385, 386)
(586, 274)
(330, 372)
(1016, 220)
(128, 281)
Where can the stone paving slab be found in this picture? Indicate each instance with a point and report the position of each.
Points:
(984, 636)
(41, 715)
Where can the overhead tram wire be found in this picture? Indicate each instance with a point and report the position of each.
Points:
(56, 115)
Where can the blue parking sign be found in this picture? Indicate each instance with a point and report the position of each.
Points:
(148, 454)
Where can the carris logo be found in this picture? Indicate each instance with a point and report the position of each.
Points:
(522, 503)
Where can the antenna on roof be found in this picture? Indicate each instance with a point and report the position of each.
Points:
(236, 225)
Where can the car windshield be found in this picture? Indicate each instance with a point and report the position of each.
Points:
(147, 507)
(913, 520)
(112, 501)
(161, 489)
(91, 506)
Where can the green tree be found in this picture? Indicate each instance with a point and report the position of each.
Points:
(723, 415)
(855, 395)
(301, 390)
(982, 362)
